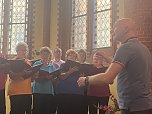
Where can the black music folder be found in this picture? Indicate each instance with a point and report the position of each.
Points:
(82, 68)
(54, 74)
(33, 61)
(35, 68)
(19, 65)
(70, 64)
(31, 71)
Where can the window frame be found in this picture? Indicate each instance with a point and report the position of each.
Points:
(90, 26)
(7, 25)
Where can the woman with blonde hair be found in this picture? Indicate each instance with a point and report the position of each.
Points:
(43, 91)
(70, 97)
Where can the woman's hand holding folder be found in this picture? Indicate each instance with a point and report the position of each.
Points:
(71, 70)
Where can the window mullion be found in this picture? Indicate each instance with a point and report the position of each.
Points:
(79, 24)
(29, 20)
(1, 23)
(90, 18)
(102, 24)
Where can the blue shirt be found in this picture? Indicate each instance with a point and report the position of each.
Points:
(69, 85)
(43, 86)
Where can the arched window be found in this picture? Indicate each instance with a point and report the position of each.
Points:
(14, 24)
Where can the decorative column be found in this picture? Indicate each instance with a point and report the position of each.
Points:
(64, 25)
(31, 8)
(90, 27)
(46, 23)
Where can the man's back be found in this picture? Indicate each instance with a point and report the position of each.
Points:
(133, 82)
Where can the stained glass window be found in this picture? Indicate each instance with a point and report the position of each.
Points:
(17, 23)
(100, 19)
(79, 18)
(102, 23)
(1, 22)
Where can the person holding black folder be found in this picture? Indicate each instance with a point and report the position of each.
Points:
(3, 77)
(82, 56)
(19, 89)
(98, 94)
(57, 62)
(70, 97)
(43, 91)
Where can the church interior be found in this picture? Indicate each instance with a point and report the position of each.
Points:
(76, 24)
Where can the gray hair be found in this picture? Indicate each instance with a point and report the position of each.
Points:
(22, 45)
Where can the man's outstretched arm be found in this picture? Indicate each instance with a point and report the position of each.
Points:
(100, 78)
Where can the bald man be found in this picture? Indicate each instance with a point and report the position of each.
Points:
(132, 65)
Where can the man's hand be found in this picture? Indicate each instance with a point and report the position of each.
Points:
(81, 81)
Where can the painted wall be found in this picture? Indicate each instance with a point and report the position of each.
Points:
(120, 4)
(38, 24)
(54, 24)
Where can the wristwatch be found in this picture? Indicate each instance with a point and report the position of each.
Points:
(86, 81)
